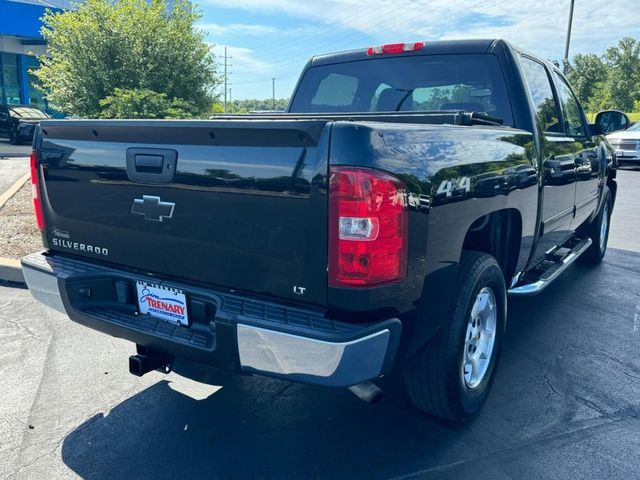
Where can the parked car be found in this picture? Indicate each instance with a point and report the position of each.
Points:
(345, 239)
(18, 122)
(627, 145)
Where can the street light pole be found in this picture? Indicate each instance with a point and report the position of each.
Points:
(565, 61)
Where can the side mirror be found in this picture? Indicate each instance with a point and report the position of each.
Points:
(609, 121)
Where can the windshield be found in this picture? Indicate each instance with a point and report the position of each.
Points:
(408, 83)
(27, 112)
(634, 128)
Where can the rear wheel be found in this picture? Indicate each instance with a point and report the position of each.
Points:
(452, 377)
(598, 232)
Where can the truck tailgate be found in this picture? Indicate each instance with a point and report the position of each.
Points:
(244, 207)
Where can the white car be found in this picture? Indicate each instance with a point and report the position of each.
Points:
(627, 144)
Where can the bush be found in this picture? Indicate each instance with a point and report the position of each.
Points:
(144, 46)
(144, 103)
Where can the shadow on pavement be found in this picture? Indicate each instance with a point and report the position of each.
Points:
(566, 377)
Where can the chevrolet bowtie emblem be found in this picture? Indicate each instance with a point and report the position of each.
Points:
(152, 208)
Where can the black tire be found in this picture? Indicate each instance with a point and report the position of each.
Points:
(14, 139)
(595, 231)
(434, 380)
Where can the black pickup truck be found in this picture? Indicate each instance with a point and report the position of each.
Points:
(377, 226)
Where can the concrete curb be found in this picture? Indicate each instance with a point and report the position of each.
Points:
(13, 189)
(11, 270)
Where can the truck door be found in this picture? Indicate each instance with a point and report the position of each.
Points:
(558, 156)
(588, 163)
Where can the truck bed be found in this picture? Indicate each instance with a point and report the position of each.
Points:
(245, 207)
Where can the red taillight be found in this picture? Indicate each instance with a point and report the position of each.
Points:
(35, 187)
(367, 227)
(391, 48)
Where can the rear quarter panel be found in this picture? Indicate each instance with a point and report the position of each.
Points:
(454, 175)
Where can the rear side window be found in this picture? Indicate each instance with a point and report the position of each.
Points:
(541, 92)
(335, 91)
(470, 82)
(574, 126)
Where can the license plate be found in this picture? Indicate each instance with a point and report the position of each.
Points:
(165, 303)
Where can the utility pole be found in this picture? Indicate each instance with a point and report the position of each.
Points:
(273, 88)
(230, 100)
(565, 61)
(225, 79)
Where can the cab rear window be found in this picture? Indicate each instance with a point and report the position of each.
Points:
(407, 83)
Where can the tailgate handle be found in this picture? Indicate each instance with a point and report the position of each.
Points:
(149, 162)
(151, 165)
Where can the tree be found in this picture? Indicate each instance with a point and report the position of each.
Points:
(624, 73)
(249, 105)
(105, 53)
(143, 103)
(611, 81)
(588, 75)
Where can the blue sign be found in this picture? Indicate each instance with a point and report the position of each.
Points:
(21, 19)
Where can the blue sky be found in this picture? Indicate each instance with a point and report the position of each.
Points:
(275, 38)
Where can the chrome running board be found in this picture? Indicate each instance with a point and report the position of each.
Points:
(531, 285)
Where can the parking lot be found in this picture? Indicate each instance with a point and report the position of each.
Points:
(8, 150)
(565, 404)
(14, 163)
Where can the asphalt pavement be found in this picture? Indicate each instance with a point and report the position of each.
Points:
(8, 150)
(565, 404)
(11, 169)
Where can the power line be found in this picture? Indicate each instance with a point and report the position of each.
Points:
(300, 49)
(332, 44)
(265, 79)
(319, 45)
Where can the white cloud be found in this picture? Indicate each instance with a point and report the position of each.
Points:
(538, 25)
(241, 58)
(219, 30)
(262, 48)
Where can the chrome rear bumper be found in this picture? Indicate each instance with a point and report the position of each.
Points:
(310, 360)
(292, 343)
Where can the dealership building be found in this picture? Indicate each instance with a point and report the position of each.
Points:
(20, 45)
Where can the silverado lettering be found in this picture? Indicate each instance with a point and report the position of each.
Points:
(410, 188)
(56, 242)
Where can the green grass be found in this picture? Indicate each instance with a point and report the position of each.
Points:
(635, 117)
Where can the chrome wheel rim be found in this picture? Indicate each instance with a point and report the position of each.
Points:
(604, 227)
(479, 338)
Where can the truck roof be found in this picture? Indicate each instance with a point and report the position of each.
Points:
(436, 47)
